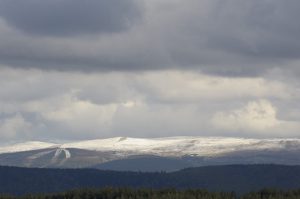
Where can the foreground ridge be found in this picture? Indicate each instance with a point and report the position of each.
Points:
(238, 178)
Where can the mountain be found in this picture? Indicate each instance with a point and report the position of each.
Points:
(238, 178)
(136, 154)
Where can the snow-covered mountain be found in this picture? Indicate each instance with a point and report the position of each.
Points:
(181, 146)
(184, 151)
(26, 146)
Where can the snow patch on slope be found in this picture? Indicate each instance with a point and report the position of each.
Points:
(67, 153)
(62, 150)
(41, 154)
(27, 146)
(170, 146)
(178, 146)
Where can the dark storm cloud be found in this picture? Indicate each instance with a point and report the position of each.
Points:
(237, 37)
(70, 17)
(232, 38)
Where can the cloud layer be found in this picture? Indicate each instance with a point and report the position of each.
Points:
(76, 69)
(70, 17)
(63, 105)
(230, 38)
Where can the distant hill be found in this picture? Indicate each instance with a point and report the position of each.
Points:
(155, 154)
(239, 178)
(145, 164)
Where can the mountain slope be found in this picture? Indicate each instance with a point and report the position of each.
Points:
(27, 146)
(164, 153)
(145, 163)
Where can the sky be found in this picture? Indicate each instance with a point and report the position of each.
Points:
(74, 70)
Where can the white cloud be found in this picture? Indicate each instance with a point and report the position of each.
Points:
(176, 86)
(14, 127)
(257, 115)
(65, 105)
(256, 118)
(74, 117)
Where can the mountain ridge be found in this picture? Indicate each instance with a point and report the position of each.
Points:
(130, 143)
(186, 151)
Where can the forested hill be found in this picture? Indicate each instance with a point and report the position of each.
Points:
(238, 178)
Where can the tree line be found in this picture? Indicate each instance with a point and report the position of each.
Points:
(128, 193)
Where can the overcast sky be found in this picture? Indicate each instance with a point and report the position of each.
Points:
(73, 69)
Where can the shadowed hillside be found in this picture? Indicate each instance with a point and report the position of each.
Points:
(239, 178)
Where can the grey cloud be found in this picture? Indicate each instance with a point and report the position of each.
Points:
(237, 37)
(70, 17)
(231, 38)
(43, 105)
(88, 80)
